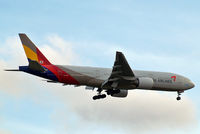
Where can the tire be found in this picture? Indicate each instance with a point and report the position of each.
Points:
(178, 98)
(95, 97)
(103, 96)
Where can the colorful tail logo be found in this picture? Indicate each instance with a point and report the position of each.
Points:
(32, 52)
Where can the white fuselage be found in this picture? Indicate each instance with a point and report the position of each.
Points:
(94, 76)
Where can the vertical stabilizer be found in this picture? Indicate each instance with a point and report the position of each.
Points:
(32, 52)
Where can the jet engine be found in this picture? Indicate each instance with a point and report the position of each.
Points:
(120, 93)
(145, 83)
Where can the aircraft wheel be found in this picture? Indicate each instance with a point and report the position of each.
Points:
(109, 92)
(178, 98)
(95, 97)
(103, 96)
(99, 97)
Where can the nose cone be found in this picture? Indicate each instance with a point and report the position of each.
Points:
(190, 84)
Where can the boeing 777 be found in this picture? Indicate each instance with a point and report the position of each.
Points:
(115, 81)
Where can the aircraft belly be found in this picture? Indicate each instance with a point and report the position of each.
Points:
(164, 88)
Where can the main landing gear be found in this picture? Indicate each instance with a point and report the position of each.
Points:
(179, 93)
(99, 96)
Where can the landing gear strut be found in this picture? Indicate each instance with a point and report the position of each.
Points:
(179, 93)
(99, 96)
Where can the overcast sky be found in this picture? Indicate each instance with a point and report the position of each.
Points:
(153, 35)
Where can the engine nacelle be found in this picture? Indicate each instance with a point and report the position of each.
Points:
(122, 93)
(145, 83)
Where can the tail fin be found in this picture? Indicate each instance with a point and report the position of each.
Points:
(32, 52)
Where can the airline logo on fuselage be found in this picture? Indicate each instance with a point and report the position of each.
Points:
(173, 78)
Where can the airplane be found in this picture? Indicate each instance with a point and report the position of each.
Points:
(115, 81)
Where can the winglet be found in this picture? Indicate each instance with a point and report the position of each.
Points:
(32, 52)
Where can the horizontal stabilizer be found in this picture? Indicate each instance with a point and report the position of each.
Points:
(52, 81)
(11, 70)
(34, 65)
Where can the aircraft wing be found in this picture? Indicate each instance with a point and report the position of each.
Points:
(121, 74)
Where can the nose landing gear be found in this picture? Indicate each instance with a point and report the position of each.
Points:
(178, 98)
(179, 93)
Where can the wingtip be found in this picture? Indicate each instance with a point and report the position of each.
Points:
(118, 52)
(21, 34)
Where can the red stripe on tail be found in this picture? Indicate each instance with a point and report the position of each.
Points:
(42, 59)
